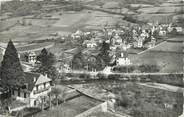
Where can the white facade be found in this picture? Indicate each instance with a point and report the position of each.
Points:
(91, 45)
(162, 33)
(123, 61)
(32, 92)
(140, 43)
(32, 58)
(32, 98)
(179, 29)
(35, 95)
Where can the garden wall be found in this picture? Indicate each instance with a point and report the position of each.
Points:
(99, 108)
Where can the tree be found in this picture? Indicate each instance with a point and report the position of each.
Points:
(47, 60)
(11, 70)
(50, 94)
(58, 92)
(78, 61)
(127, 36)
(42, 102)
(104, 52)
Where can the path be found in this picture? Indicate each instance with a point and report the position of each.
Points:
(163, 87)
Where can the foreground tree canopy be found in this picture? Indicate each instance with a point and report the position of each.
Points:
(11, 69)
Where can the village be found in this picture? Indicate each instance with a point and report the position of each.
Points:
(54, 67)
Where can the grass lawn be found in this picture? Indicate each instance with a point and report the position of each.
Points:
(168, 62)
(169, 46)
(166, 55)
(148, 102)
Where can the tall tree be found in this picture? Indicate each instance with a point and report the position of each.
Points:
(104, 52)
(78, 61)
(47, 60)
(127, 36)
(11, 69)
(58, 92)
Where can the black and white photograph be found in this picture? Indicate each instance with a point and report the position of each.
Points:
(91, 58)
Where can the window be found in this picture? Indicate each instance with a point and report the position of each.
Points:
(19, 93)
(25, 95)
(37, 88)
(35, 102)
(44, 85)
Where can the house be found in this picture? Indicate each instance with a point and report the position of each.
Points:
(90, 43)
(162, 33)
(123, 59)
(179, 29)
(170, 29)
(77, 34)
(32, 58)
(3, 93)
(117, 40)
(64, 68)
(35, 87)
(140, 43)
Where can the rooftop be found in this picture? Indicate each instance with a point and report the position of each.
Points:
(32, 79)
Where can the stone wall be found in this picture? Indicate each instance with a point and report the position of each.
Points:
(99, 108)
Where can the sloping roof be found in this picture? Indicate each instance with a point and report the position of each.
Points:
(42, 79)
(33, 79)
(29, 79)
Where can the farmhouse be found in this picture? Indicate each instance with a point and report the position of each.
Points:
(35, 87)
(32, 58)
(123, 59)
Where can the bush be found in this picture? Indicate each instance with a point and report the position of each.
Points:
(141, 68)
(85, 76)
(123, 101)
(124, 69)
(148, 68)
(137, 113)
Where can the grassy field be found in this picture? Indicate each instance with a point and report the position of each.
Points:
(99, 19)
(35, 47)
(169, 47)
(65, 22)
(162, 9)
(167, 55)
(148, 102)
(168, 62)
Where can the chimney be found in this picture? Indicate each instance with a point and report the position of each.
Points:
(34, 79)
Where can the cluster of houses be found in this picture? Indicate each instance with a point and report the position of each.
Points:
(126, 38)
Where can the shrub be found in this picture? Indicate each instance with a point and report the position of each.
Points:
(122, 101)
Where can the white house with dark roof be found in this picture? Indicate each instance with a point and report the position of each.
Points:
(35, 87)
